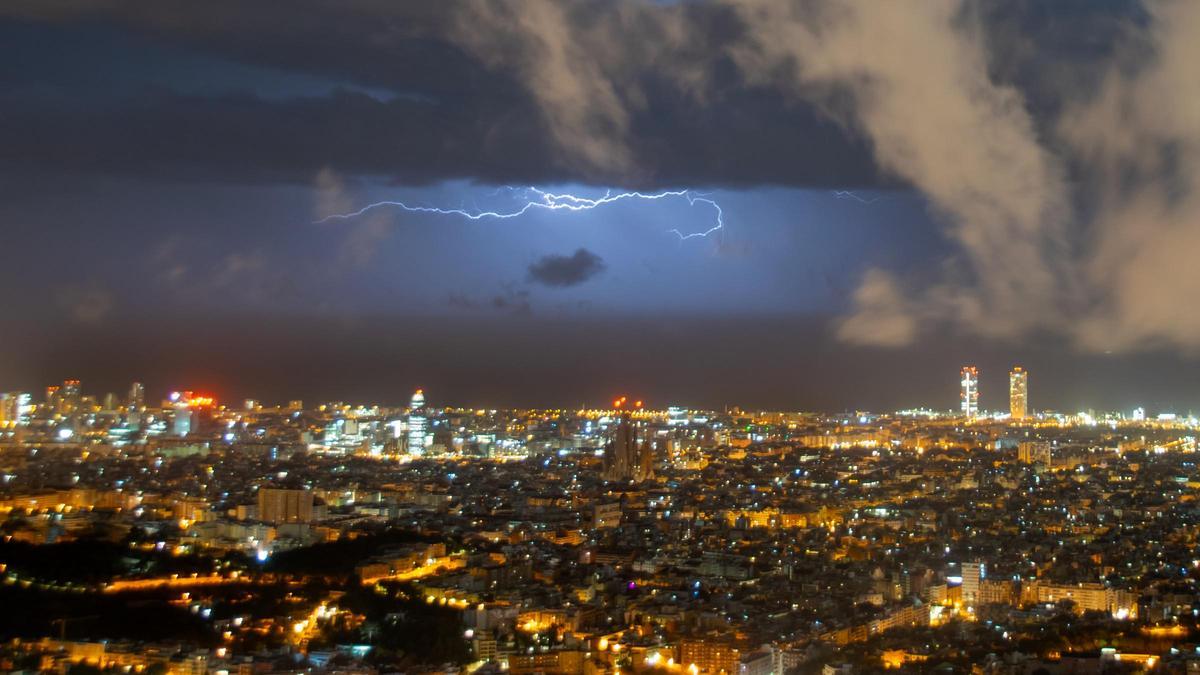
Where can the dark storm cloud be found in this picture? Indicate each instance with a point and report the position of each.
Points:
(242, 137)
(566, 270)
(419, 102)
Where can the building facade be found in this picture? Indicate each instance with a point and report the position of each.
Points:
(969, 395)
(1018, 393)
(278, 505)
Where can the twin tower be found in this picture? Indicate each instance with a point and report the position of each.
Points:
(1018, 392)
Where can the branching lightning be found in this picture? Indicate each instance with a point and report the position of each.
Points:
(850, 194)
(540, 199)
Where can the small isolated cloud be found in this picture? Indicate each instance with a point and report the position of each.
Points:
(882, 317)
(566, 270)
(513, 300)
(330, 194)
(363, 241)
(86, 304)
(510, 299)
(461, 301)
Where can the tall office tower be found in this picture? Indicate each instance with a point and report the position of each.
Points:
(970, 391)
(278, 505)
(69, 396)
(181, 425)
(137, 396)
(972, 574)
(9, 410)
(25, 407)
(1018, 393)
(417, 424)
(625, 458)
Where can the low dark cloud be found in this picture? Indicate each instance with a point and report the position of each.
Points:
(566, 270)
(513, 300)
(509, 299)
(474, 115)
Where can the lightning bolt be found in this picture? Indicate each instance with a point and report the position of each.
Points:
(850, 194)
(720, 224)
(536, 198)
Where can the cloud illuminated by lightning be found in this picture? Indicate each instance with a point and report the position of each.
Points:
(549, 201)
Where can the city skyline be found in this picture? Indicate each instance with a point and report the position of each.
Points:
(70, 396)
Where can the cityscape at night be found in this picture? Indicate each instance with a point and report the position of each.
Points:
(210, 537)
(599, 337)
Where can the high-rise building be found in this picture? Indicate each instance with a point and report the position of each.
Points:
(69, 397)
(970, 391)
(15, 408)
(625, 458)
(1018, 393)
(9, 410)
(972, 574)
(181, 423)
(279, 505)
(417, 423)
(137, 396)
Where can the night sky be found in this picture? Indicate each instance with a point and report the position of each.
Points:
(905, 188)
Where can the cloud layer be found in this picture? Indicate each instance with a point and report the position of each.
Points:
(1070, 192)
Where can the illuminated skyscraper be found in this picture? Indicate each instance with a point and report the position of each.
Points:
(970, 391)
(972, 574)
(417, 424)
(15, 408)
(69, 396)
(9, 410)
(1018, 393)
(24, 407)
(137, 396)
(181, 423)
